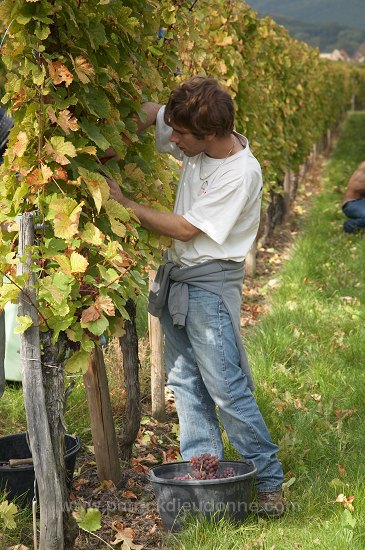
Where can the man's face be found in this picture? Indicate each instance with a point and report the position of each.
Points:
(189, 144)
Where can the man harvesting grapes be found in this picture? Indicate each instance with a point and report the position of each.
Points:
(197, 292)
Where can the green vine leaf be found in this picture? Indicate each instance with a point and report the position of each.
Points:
(89, 519)
(78, 362)
(117, 214)
(7, 512)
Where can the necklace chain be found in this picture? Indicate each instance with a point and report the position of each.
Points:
(216, 168)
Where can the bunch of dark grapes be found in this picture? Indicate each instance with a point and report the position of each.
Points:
(205, 466)
(228, 472)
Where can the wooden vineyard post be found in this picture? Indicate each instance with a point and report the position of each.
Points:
(250, 262)
(131, 418)
(287, 191)
(49, 487)
(328, 140)
(2, 353)
(101, 419)
(157, 364)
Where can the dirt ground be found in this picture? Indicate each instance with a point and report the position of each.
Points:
(129, 512)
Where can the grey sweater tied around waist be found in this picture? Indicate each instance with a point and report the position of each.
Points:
(220, 277)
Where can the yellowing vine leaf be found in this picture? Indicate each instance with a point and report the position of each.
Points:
(133, 172)
(7, 513)
(64, 263)
(59, 73)
(20, 146)
(97, 186)
(60, 174)
(8, 292)
(79, 263)
(39, 177)
(83, 69)
(91, 234)
(58, 148)
(24, 322)
(105, 303)
(88, 150)
(65, 212)
(65, 120)
(90, 314)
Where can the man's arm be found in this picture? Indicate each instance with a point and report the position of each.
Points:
(151, 110)
(164, 223)
(356, 185)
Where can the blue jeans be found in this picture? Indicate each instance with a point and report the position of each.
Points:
(203, 371)
(355, 210)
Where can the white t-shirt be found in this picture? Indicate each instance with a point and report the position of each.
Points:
(225, 205)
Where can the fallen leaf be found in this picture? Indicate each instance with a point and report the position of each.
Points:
(125, 535)
(316, 396)
(346, 501)
(150, 459)
(342, 413)
(82, 481)
(341, 470)
(298, 404)
(105, 485)
(88, 519)
(140, 468)
(171, 455)
(130, 495)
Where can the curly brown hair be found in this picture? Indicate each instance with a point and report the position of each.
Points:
(201, 106)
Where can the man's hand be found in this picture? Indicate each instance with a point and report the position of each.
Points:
(164, 223)
(116, 193)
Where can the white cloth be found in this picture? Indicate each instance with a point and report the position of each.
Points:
(226, 209)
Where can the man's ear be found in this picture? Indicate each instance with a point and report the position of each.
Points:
(211, 136)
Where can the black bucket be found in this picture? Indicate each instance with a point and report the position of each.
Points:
(18, 481)
(212, 498)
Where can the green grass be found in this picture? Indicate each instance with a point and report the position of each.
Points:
(308, 359)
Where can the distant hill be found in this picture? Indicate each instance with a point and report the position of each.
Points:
(325, 24)
(350, 13)
(326, 37)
